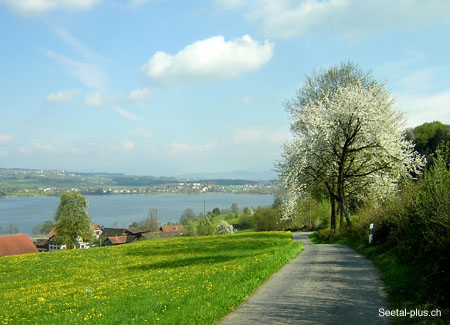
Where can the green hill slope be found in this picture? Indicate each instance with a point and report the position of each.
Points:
(172, 281)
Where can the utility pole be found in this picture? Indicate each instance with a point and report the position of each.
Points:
(204, 207)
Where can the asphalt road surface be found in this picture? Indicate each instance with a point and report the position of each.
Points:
(326, 284)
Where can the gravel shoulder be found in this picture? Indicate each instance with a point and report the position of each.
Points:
(326, 284)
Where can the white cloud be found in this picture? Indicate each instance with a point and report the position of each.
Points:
(141, 133)
(139, 94)
(4, 153)
(212, 58)
(351, 19)
(62, 96)
(93, 99)
(6, 138)
(98, 99)
(89, 74)
(38, 7)
(124, 146)
(425, 108)
(36, 146)
(124, 113)
(419, 80)
(137, 3)
(83, 51)
(231, 4)
(181, 148)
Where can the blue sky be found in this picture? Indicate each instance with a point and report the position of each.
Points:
(166, 87)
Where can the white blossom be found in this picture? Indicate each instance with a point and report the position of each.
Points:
(352, 137)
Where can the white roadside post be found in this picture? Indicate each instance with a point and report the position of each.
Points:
(371, 233)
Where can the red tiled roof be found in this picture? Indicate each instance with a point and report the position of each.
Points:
(118, 240)
(172, 228)
(16, 245)
(52, 233)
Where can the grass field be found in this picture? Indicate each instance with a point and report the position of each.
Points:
(171, 281)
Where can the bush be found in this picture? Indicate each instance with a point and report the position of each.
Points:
(245, 222)
(205, 226)
(190, 229)
(421, 234)
(415, 224)
(224, 228)
(267, 219)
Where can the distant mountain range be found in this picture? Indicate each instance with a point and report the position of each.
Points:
(237, 174)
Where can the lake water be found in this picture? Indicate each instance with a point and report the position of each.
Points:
(121, 209)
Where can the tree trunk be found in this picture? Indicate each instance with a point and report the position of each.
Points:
(347, 217)
(333, 214)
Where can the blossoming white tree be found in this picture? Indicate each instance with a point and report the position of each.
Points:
(349, 140)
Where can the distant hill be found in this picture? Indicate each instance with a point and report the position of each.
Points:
(237, 174)
(63, 178)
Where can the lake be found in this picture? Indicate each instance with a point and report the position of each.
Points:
(122, 209)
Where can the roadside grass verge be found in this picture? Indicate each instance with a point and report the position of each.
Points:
(170, 281)
(401, 282)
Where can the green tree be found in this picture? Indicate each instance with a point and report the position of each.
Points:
(188, 214)
(72, 220)
(277, 203)
(13, 229)
(190, 229)
(216, 211)
(234, 208)
(428, 136)
(205, 226)
(151, 223)
(47, 226)
(248, 211)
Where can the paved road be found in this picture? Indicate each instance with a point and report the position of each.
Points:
(326, 284)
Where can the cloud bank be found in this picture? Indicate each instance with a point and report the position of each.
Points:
(62, 96)
(352, 19)
(6, 138)
(39, 7)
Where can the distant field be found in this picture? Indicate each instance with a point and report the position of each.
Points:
(171, 281)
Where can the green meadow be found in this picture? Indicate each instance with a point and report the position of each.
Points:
(169, 281)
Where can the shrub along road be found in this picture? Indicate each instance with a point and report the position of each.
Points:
(326, 284)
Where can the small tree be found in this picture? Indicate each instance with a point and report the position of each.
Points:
(190, 229)
(13, 229)
(47, 226)
(188, 214)
(151, 223)
(205, 226)
(248, 211)
(224, 228)
(216, 211)
(133, 224)
(72, 220)
(234, 208)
